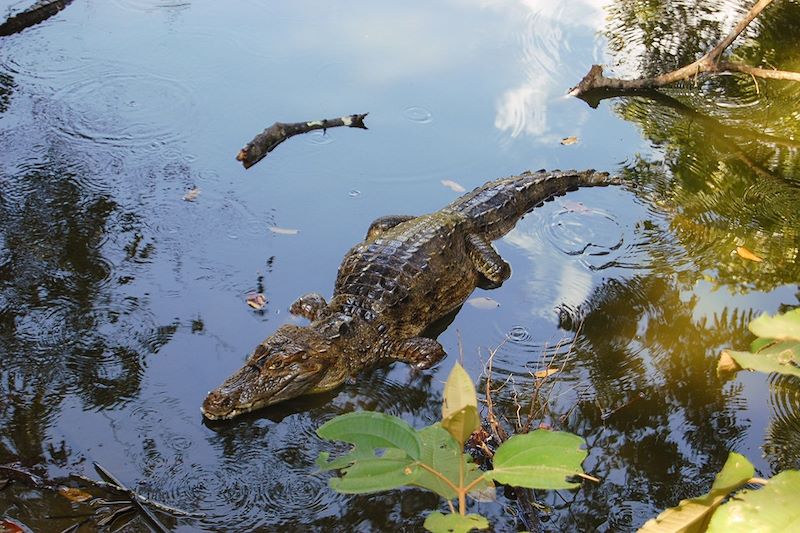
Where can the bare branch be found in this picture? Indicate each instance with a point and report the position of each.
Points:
(710, 63)
(266, 141)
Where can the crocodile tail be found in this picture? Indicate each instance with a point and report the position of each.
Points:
(495, 207)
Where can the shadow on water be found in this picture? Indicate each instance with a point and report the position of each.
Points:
(121, 303)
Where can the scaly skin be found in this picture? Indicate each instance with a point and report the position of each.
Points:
(408, 273)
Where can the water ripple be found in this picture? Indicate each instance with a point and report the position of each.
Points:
(418, 114)
(121, 109)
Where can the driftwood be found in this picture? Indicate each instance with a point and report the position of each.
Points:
(266, 141)
(710, 63)
(38, 12)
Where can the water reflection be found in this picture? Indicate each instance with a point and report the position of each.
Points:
(121, 303)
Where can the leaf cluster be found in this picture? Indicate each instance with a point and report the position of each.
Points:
(388, 453)
(777, 348)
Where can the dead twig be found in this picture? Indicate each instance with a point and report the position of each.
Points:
(38, 12)
(266, 141)
(710, 63)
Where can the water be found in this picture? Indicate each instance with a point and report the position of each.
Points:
(122, 304)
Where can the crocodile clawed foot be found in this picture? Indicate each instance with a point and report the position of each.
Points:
(308, 306)
(420, 352)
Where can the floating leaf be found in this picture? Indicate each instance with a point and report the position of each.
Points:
(569, 140)
(74, 495)
(256, 300)
(693, 515)
(483, 302)
(443, 454)
(784, 327)
(541, 374)
(775, 507)
(744, 253)
(192, 194)
(453, 186)
(460, 407)
(283, 231)
(454, 523)
(539, 460)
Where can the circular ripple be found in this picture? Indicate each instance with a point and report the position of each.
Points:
(124, 110)
(319, 138)
(418, 114)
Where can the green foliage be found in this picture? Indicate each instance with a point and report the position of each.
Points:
(540, 459)
(460, 407)
(455, 523)
(776, 350)
(693, 515)
(775, 507)
(387, 453)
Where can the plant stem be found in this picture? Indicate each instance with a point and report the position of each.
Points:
(439, 475)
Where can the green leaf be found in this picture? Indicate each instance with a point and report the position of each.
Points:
(692, 516)
(375, 474)
(539, 460)
(783, 327)
(369, 431)
(462, 423)
(454, 523)
(782, 357)
(460, 406)
(775, 507)
(443, 454)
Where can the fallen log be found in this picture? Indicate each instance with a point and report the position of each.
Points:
(266, 141)
(38, 12)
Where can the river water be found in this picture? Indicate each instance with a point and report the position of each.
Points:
(130, 240)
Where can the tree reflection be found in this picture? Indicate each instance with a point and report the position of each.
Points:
(63, 329)
(728, 158)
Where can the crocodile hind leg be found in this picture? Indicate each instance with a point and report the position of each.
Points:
(487, 262)
(383, 224)
(419, 352)
(309, 306)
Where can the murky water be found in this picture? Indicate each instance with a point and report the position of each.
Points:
(122, 303)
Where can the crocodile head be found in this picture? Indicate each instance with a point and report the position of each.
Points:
(291, 362)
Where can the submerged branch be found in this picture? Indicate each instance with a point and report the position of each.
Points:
(38, 12)
(710, 63)
(266, 141)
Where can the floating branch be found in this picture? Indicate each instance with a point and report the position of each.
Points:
(38, 12)
(266, 141)
(710, 63)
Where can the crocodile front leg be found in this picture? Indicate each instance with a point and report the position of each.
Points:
(383, 224)
(487, 261)
(419, 352)
(309, 306)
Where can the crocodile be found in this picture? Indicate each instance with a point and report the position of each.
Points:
(408, 273)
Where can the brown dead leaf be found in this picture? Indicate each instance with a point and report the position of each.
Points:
(12, 526)
(727, 363)
(256, 300)
(483, 302)
(74, 495)
(569, 140)
(192, 194)
(541, 374)
(453, 185)
(283, 231)
(744, 253)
